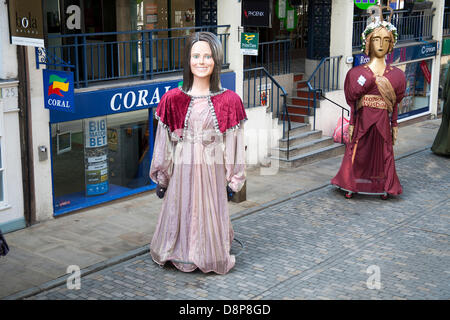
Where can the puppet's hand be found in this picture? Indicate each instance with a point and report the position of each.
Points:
(230, 193)
(160, 191)
(394, 135)
(350, 132)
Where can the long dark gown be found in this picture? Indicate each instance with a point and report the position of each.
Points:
(441, 144)
(368, 165)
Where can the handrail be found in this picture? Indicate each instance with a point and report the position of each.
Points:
(135, 31)
(342, 114)
(275, 56)
(284, 94)
(319, 89)
(411, 25)
(102, 56)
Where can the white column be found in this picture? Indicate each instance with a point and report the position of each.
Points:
(41, 137)
(341, 35)
(438, 21)
(229, 12)
(8, 55)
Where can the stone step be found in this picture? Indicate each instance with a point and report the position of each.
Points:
(299, 110)
(298, 77)
(302, 84)
(320, 154)
(304, 93)
(300, 138)
(297, 118)
(299, 101)
(297, 128)
(295, 150)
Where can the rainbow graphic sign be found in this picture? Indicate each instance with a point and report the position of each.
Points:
(58, 90)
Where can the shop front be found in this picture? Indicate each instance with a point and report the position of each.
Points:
(416, 62)
(102, 150)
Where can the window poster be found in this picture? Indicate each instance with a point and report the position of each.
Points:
(96, 156)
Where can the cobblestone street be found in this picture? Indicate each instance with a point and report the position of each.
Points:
(316, 246)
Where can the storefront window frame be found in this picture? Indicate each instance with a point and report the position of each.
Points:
(3, 189)
(419, 112)
(105, 198)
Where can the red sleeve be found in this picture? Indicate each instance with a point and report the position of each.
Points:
(350, 98)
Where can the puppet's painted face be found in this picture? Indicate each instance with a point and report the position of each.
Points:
(379, 46)
(202, 62)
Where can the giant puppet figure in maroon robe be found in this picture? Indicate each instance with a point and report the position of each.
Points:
(373, 92)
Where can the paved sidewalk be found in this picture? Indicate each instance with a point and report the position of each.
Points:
(102, 236)
(315, 246)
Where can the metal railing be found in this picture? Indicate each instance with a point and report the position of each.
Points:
(260, 91)
(411, 26)
(446, 24)
(95, 57)
(324, 78)
(274, 56)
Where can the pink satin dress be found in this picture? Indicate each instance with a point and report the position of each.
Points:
(194, 228)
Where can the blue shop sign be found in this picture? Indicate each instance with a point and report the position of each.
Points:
(402, 54)
(58, 90)
(117, 100)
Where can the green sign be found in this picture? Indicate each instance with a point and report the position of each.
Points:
(249, 43)
(287, 15)
(446, 47)
(365, 4)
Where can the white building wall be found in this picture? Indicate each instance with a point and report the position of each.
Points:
(327, 114)
(341, 35)
(229, 12)
(41, 137)
(12, 207)
(8, 56)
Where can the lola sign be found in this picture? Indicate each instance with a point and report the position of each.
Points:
(26, 23)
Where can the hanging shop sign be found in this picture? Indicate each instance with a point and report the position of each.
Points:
(256, 13)
(124, 99)
(58, 90)
(287, 15)
(249, 43)
(280, 9)
(26, 25)
(290, 23)
(96, 156)
(403, 54)
(151, 15)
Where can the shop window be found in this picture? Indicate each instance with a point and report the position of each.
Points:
(99, 159)
(417, 93)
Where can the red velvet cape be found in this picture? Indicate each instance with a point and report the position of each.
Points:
(174, 104)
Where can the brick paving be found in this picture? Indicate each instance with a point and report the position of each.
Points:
(316, 246)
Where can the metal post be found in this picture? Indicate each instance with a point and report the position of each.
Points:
(85, 77)
(144, 63)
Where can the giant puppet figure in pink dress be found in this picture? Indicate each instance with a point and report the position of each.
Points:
(198, 162)
(373, 92)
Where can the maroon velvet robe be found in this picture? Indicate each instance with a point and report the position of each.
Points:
(368, 163)
(228, 110)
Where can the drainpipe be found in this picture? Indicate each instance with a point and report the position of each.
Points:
(26, 140)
